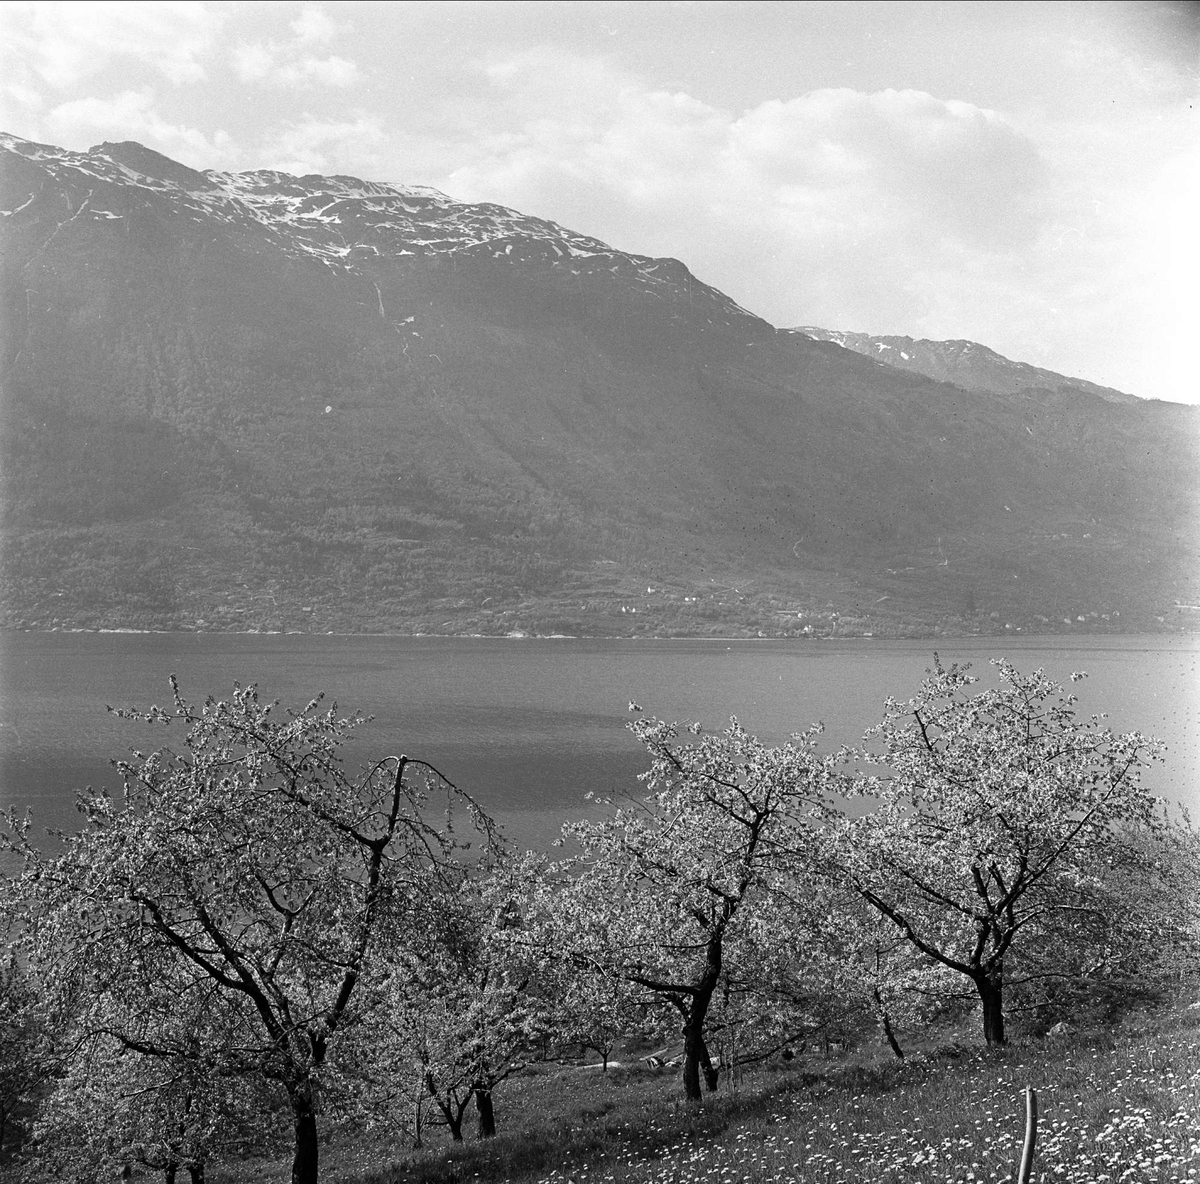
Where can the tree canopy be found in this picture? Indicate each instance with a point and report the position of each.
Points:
(999, 831)
(253, 882)
(682, 890)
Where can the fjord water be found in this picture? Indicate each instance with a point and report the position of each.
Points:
(528, 727)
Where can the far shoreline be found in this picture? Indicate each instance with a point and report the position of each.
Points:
(606, 637)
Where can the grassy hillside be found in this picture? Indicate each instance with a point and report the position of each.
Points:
(1117, 1104)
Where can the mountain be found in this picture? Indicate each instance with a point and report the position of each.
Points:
(260, 401)
(964, 363)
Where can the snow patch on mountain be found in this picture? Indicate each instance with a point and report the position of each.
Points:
(965, 363)
(340, 221)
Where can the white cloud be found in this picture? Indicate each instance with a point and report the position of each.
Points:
(292, 63)
(921, 165)
(269, 63)
(1167, 260)
(332, 71)
(131, 115)
(887, 211)
(327, 146)
(313, 26)
(66, 42)
(1122, 247)
(25, 97)
(253, 61)
(828, 204)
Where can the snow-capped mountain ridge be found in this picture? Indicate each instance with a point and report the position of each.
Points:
(964, 363)
(351, 225)
(340, 221)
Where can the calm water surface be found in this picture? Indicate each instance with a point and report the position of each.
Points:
(530, 726)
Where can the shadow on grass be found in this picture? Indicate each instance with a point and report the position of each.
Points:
(642, 1114)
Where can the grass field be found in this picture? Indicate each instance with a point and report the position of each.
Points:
(1118, 1106)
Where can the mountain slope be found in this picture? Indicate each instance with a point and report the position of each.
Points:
(262, 401)
(964, 363)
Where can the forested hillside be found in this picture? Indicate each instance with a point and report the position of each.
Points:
(256, 401)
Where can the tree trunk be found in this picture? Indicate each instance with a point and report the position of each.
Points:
(695, 1051)
(693, 1042)
(893, 1043)
(304, 1118)
(487, 1115)
(991, 994)
(885, 1023)
(451, 1110)
(196, 1171)
(169, 1171)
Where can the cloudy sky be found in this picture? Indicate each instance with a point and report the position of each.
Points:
(1025, 175)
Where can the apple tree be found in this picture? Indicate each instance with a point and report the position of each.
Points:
(260, 877)
(113, 1108)
(674, 893)
(1000, 831)
(462, 1015)
(29, 1054)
